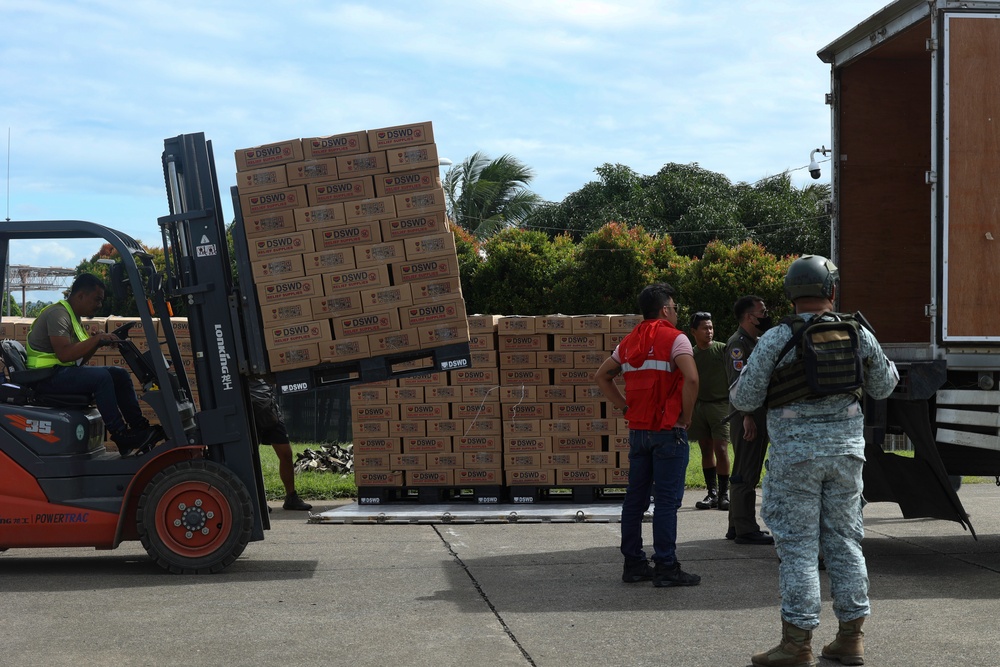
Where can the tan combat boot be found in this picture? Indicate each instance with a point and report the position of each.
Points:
(795, 649)
(849, 646)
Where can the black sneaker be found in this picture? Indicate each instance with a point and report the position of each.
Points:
(724, 502)
(757, 537)
(636, 570)
(710, 502)
(673, 575)
(293, 502)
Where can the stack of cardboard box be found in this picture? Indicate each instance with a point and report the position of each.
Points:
(527, 414)
(351, 250)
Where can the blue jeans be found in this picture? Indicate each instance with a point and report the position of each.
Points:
(111, 387)
(657, 463)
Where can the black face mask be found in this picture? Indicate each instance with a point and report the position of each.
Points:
(764, 323)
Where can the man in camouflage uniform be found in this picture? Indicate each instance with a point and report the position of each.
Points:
(812, 490)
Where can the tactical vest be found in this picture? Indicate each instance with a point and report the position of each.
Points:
(829, 360)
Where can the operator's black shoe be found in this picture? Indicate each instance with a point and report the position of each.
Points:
(672, 575)
(293, 502)
(137, 440)
(710, 502)
(636, 570)
(756, 537)
(724, 502)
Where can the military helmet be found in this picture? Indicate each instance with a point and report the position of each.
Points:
(811, 275)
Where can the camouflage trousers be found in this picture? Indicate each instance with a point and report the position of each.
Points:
(812, 505)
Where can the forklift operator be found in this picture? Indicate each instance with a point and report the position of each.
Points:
(58, 339)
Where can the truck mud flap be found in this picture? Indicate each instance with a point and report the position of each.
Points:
(919, 485)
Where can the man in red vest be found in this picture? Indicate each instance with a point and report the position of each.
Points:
(661, 386)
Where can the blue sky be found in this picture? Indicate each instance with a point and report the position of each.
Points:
(91, 89)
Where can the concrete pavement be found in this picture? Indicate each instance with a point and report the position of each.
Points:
(497, 594)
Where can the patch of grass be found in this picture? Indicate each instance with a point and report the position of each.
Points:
(310, 485)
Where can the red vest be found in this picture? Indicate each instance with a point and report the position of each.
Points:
(652, 382)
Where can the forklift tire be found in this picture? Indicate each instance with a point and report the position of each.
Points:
(194, 517)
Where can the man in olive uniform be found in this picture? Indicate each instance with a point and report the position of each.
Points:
(812, 491)
(748, 428)
(709, 426)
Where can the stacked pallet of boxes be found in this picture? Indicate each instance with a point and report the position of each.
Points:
(351, 252)
(433, 430)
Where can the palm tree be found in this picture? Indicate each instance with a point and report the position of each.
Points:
(486, 195)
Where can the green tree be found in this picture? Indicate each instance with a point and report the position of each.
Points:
(485, 195)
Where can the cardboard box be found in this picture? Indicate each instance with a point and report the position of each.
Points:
(432, 313)
(553, 324)
(539, 477)
(378, 446)
(372, 461)
(363, 164)
(421, 224)
(269, 224)
(345, 349)
(482, 460)
(519, 411)
(480, 359)
(479, 324)
(378, 478)
(423, 270)
(365, 395)
(356, 280)
(286, 312)
(328, 261)
(430, 478)
(557, 427)
(427, 445)
(574, 376)
(478, 477)
(597, 427)
(378, 254)
(92, 325)
(538, 443)
(413, 134)
(433, 291)
(289, 243)
(321, 170)
(393, 341)
(383, 297)
(424, 201)
(611, 340)
(591, 324)
(577, 476)
(624, 323)
(404, 395)
(521, 427)
(576, 410)
(597, 459)
(559, 459)
(344, 190)
(516, 324)
(412, 157)
(482, 342)
(578, 342)
(518, 360)
(353, 326)
(265, 178)
(476, 443)
(590, 360)
(444, 461)
(443, 333)
(318, 217)
(370, 210)
(480, 392)
(268, 155)
(335, 145)
(475, 376)
(616, 476)
(434, 245)
(425, 380)
(371, 429)
(554, 394)
(406, 461)
(576, 443)
(508, 342)
(525, 376)
(297, 334)
(561, 359)
(295, 356)
(425, 411)
(414, 428)
(278, 268)
(475, 410)
(522, 461)
(482, 426)
(341, 303)
(346, 236)
(517, 394)
(258, 204)
(374, 412)
(449, 427)
(289, 289)
(583, 393)
(442, 394)
(392, 184)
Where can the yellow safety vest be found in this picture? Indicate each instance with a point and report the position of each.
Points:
(38, 359)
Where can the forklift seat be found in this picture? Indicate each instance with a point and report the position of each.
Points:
(18, 391)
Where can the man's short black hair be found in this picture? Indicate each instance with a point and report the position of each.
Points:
(653, 298)
(745, 304)
(699, 317)
(86, 282)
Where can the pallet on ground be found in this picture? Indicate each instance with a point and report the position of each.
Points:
(568, 494)
(425, 495)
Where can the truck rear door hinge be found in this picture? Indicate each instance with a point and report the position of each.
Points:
(931, 44)
(930, 177)
(930, 310)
